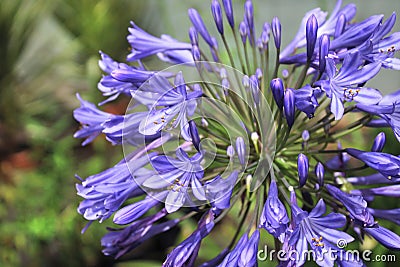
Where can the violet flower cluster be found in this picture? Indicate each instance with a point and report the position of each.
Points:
(244, 126)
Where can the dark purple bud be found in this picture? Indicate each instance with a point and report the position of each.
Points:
(217, 14)
(243, 31)
(379, 142)
(241, 150)
(277, 91)
(194, 134)
(196, 53)
(320, 173)
(249, 14)
(311, 35)
(289, 106)
(229, 12)
(302, 168)
(305, 135)
(276, 32)
(194, 37)
(340, 25)
(323, 52)
(198, 23)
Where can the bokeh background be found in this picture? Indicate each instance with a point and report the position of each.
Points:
(48, 52)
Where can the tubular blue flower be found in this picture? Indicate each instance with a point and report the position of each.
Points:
(384, 236)
(320, 173)
(274, 217)
(244, 253)
(249, 20)
(379, 142)
(387, 191)
(217, 14)
(144, 44)
(344, 86)
(323, 52)
(198, 24)
(390, 215)
(317, 231)
(177, 176)
(387, 164)
(289, 106)
(243, 31)
(229, 12)
(357, 33)
(112, 87)
(241, 150)
(311, 35)
(355, 204)
(302, 169)
(120, 241)
(306, 100)
(193, 36)
(186, 252)
(277, 91)
(134, 211)
(276, 32)
(104, 193)
(388, 109)
(376, 178)
(340, 26)
(219, 190)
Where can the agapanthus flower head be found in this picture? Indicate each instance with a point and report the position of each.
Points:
(249, 137)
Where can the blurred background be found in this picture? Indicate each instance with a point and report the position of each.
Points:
(49, 51)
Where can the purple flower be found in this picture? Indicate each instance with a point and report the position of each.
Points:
(387, 164)
(198, 24)
(186, 252)
(302, 169)
(320, 173)
(219, 190)
(241, 150)
(276, 32)
(344, 85)
(217, 14)
(317, 231)
(384, 236)
(274, 217)
(120, 241)
(376, 178)
(278, 91)
(178, 175)
(379, 142)
(311, 35)
(176, 101)
(104, 193)
(390, 215)
(229, 12)
(244, 254)
(388, 109)
(289, 106)
(306, 100)
(144, 45)
(355, 204)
